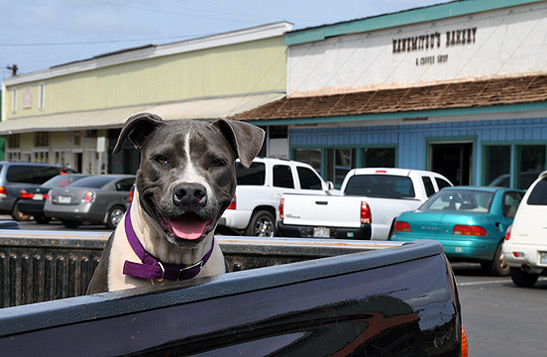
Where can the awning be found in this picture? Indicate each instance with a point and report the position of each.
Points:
(116, 117)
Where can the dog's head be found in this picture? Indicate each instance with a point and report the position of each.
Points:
(186, 177)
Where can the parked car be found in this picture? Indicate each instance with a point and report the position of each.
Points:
(525, 247)
(101, 199)
(32, 199)
(469, 222)
(366, 208)
(255, 206)
(15, 176)
(526, 179)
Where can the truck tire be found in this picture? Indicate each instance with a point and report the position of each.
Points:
(262, 225)
(114, 217)
(18, 215)
(498, 266)
(522, 278)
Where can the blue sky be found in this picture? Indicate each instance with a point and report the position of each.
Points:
(38, 34)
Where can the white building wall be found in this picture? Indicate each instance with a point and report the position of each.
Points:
(497, 43)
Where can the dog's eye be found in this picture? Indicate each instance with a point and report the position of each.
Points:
(160, 159)
(218, 163)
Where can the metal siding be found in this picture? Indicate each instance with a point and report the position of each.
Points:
(411, 140)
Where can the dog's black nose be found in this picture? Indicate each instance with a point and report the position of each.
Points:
(190, 196)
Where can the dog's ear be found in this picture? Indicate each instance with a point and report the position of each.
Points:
(137, 128)
(245, 139)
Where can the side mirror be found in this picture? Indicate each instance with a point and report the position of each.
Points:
(330, 185)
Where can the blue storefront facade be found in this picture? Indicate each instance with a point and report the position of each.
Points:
(490, 149)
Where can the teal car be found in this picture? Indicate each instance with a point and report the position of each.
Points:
(470, 223)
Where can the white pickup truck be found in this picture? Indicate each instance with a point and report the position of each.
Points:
(254, 208)
(370, 200)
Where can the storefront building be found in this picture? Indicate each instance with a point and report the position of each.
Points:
(458, 88)
(71, 114)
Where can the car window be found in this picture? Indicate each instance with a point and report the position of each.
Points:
(62, 180)
(428, 184)
(31, 173)
(465, 200)
(125, 184)
(43, 173)
(19, 174)
(441, 183)
(255, 175)
(387, 186)
(282, 176)
(511, 201)
(308, 179)
(538, 196)
(92, 182)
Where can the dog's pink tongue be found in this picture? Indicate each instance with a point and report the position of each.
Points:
(189, 226)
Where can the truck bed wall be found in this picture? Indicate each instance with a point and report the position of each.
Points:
(40, 266)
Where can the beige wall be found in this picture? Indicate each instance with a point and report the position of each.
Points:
(252, 67)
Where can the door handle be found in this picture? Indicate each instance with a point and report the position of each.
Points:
(323, 203)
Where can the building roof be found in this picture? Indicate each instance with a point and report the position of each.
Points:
(471, 94)
(401, 18)
(154, 51)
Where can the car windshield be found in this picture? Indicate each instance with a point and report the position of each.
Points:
(62, 180)
(93, 181)
(475, 201)
(387, 186)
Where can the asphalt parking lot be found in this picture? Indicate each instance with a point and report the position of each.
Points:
(501, 319)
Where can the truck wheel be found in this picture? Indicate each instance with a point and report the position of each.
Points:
(42, 219)
(262, 225)
(498, 266)
(114, 217)
(522, 278)
(71, 224)
(18, 215)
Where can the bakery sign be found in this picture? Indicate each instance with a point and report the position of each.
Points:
(433, 41)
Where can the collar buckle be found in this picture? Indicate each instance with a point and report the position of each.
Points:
(182, 271)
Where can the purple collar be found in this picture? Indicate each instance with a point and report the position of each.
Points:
(152, 268)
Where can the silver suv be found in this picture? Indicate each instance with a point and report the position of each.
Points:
(15, 176)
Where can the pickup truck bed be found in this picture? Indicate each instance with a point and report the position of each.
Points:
(366, 298)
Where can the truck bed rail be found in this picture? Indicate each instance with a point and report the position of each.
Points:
(40, 266)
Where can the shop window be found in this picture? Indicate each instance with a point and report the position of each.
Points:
(77, 138)
(379, 157)
(498, 165)
(41, 139)
(311, 157)
(339, 162)
(531, 159)
(14, 141)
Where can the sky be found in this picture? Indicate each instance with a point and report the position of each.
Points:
(38, 34)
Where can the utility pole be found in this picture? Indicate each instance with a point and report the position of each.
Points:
(13, 69)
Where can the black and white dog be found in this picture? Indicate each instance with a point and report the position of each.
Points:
(185, 181)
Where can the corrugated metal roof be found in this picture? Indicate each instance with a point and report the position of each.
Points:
(115, 117)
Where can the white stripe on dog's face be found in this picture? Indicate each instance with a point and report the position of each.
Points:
(190, 172)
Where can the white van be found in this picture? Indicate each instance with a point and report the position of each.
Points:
(525, 245)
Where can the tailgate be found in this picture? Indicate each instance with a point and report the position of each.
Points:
(322, 211)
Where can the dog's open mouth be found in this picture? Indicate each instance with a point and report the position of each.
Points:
(188, 226)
